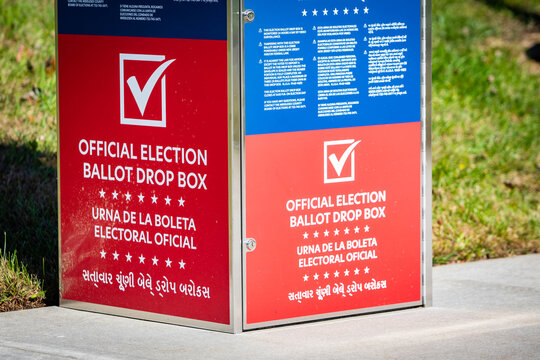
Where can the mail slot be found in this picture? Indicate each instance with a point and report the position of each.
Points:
(235, 165)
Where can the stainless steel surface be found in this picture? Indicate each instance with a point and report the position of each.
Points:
(235, 166)
(243, 157)
(427, 211)
(58, 147)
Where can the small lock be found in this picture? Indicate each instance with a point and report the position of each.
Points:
(249, 15)
(250, 244)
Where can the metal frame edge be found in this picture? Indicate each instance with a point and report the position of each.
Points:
(243, 156)
(235, 165)
(57, 115)
(427, 232)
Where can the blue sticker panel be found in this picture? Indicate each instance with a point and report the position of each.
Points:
(320, 64)
(176, 19)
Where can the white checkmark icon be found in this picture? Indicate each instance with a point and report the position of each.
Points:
(339, 164)
(142, 96)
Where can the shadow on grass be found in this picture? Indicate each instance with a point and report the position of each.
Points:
(523, 14)
(28, 211)
(533, 52)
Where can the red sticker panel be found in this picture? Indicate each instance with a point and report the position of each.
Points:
(144, 174)
(336, 217)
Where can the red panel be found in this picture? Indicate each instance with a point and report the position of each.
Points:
(172, 256)
(350, 243)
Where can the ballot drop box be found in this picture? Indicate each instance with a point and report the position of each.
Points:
(234, 165)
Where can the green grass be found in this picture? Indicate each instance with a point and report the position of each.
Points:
(27, 79)
(28, 207)
(486, 130)
(18, 289)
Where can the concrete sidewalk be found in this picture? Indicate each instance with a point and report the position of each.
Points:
(482, 310)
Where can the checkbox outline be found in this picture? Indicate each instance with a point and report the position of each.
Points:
(142, 122)
(350, 158)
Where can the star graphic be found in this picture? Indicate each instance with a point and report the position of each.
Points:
(128, 257)
(181, 202)
(366, 10)
(356, 271)
(306, 278)
(326, 232)
(336, 232)
(154, 260)
(115, 194)
(115, 255)
(325, 12)
(366, 270)
(103, 253)
(306, 235)
(366, 228)
(168, 200)
(346, 231)
(316, 276)
(346, 11)
(356, 10)
(154, 199)
(128, 196)
(141, 197)
(304, 12)
(102, 194)
(336, 274)
(326, 275)
(182, 264)
(169, 262)
(346, 272)
(356, 230)
(315, 12)
(336, 11)
(316, 234)
(141, 259)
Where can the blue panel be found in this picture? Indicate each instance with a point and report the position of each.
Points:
(180, 19)
(321, 64)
